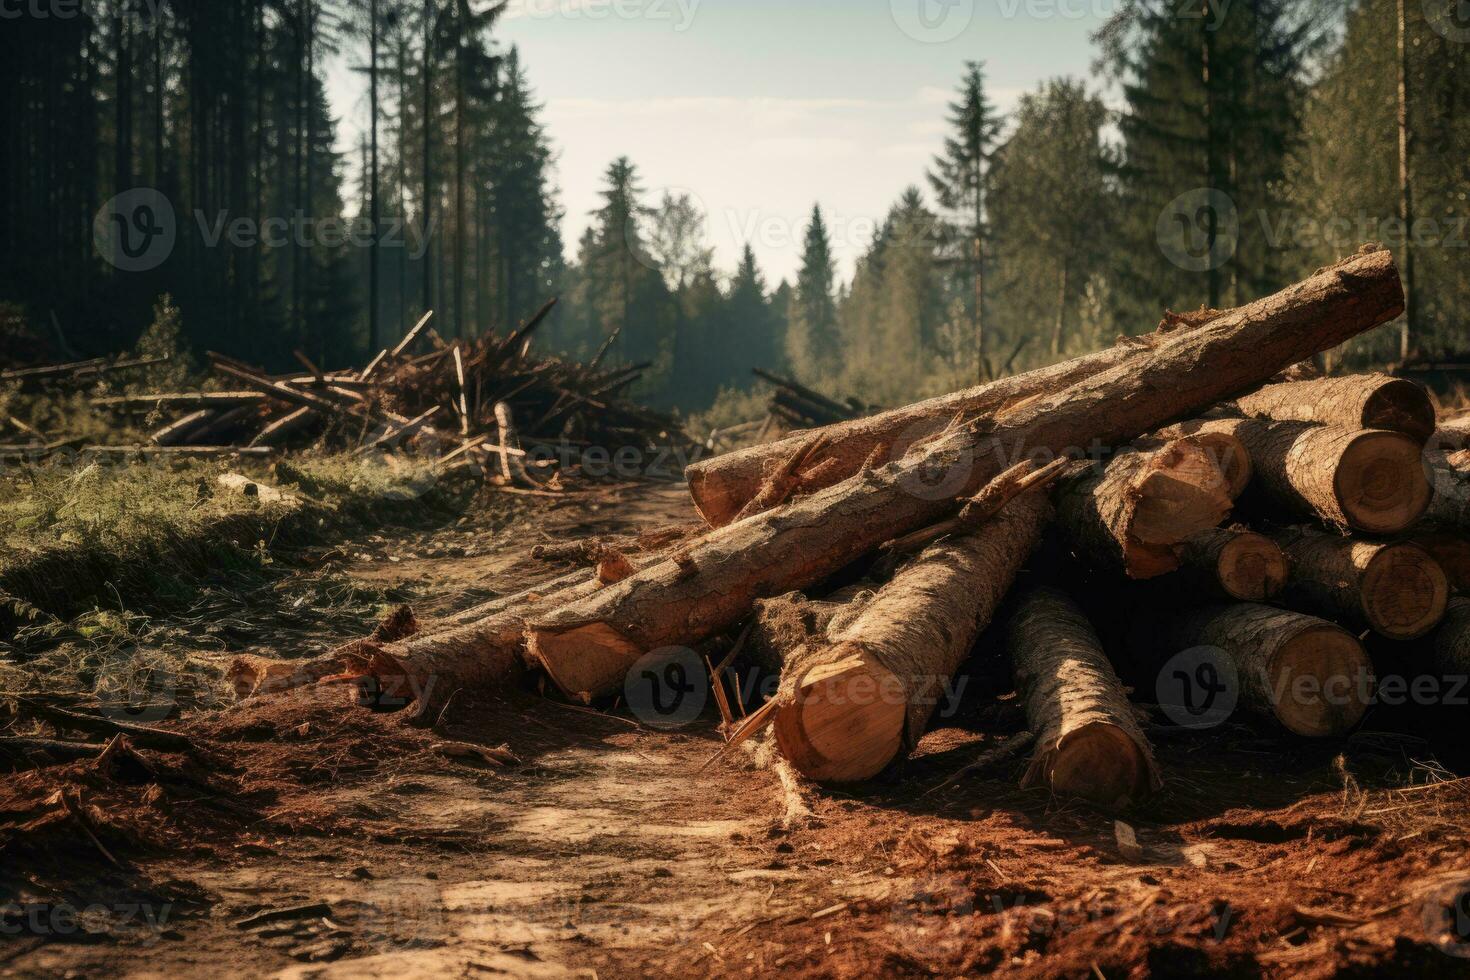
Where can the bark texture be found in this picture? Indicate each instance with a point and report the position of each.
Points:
(850, 704)
(1088, 741)
(722, 487)
(1310, 675)
(1367, 480)
(1448, 651)
(1397, 590)
(1449, 474)
(1137, 515)
(588, 645)
(1363, 401)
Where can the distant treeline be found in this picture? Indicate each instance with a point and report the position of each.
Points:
(1257, 140)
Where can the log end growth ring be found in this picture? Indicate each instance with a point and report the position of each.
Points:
(846, 721)
(1321, 682)
(1381, 484)
(1252, 568)
(1401, 406)
(1405, 592)
(1100, 763)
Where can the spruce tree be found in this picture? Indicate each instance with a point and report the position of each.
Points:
(811, 337)
(958, 180)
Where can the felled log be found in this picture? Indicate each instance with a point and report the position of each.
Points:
(1449, 474)
(587, 646)
(1310, 675)
(1452, 434)
(1367, 480)
(849, 705)
(1366, 401)
(179, 400)
(1138, 513)
(721, 487)
(1397, 590)
(1088, 743)
(1447, 652)
(1234, 563)
(179, 430)
(1450, 548)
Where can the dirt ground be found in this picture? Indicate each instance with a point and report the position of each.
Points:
(305, 835)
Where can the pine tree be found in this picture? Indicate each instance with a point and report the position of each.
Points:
(812, 336)
(958, 179)
(627, 290)
(755, 337)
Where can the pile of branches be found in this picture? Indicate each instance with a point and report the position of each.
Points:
(479, 400)
(795, 406)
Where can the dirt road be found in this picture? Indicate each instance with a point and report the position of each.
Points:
(362, 850)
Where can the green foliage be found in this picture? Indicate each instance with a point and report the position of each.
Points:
(811, 333)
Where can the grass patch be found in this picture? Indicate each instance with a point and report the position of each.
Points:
(143, 536)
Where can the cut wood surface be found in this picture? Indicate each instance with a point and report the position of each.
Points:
(1088, 741)
(1137, 514)
(1363, 401)
(851, 704)
(1367, 480)
(1228, 452)
(1452, 434)
(1234, 563)
(587, 646)
(1311, 675)
(1395, 589)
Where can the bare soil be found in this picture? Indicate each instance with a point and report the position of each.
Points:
(607, 851)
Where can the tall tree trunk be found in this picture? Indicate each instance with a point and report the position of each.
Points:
(375, 332)
(427, 204)
(1410, 328)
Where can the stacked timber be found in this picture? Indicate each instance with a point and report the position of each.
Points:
(860, 563)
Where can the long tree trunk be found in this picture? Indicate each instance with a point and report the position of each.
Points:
(721, 487)
(375, 330)
(1088, 742)
(1409, 333)
(850, 704)
(587, 646)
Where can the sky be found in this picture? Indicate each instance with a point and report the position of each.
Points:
(761, 108)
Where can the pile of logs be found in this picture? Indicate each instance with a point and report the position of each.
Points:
(467, 400)
(1172, 482)
(795, 406)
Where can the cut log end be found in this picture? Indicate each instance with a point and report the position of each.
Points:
(1381, 485)
(1401, 406)
(1405, 592)
(583, 661)
(846, 721)
(1251, 568)
(1322, 682)
(1233, 459)
(1102, 764)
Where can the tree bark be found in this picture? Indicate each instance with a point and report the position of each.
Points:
(1367, 480)
(1448, 651)
(1397, 590)
(1234, 563)
(722, 486)
(1138, 513)
(1452, 434)
(1449, 474)
(1368, 401)
(1310, 675)
(587, 646)
(851, 703)
(1088, 742)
